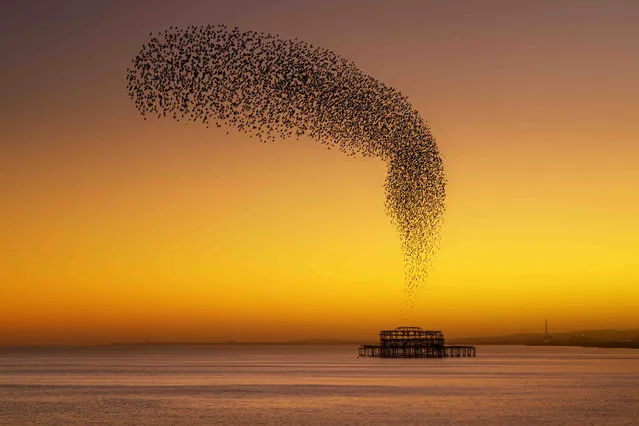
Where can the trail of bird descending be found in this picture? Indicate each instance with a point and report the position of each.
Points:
(273, 88)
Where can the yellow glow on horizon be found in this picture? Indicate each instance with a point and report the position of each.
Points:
(120, 229)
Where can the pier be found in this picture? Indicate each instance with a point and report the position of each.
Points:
(414, 342)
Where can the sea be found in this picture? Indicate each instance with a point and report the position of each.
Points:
(319, 385)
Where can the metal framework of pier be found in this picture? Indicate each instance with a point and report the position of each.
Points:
(414, 342)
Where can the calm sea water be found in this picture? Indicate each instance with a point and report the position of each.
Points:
(317, 385)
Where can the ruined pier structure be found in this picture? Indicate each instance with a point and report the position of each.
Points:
(413, 342)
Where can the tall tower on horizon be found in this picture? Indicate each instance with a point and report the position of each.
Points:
(546, 330)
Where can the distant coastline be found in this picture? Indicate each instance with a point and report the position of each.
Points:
(301, 342)
(633, 344)
(585, 338)
(606, 338)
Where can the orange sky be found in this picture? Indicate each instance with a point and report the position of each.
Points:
(120, 229)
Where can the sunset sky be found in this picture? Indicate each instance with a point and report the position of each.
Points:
(120, 229)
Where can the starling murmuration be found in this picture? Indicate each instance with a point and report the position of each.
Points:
(272, 89)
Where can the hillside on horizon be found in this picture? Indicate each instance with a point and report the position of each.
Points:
(603, 336)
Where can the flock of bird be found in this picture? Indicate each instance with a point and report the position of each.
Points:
(272, 88)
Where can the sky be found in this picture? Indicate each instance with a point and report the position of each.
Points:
(117, 229)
